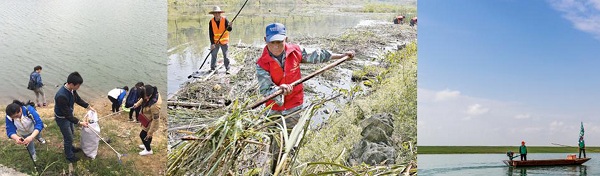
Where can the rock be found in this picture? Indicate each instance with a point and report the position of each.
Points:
(375, 147)
(374, 134)
(372, 154)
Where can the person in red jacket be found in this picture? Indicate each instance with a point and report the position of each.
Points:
(278, 67)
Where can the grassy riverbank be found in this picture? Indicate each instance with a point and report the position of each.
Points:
(124, 137)
(499, 149)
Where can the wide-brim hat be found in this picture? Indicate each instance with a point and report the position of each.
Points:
(216, 9)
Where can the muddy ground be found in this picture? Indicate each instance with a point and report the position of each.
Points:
(369, 39)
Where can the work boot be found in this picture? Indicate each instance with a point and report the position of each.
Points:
(145, 152)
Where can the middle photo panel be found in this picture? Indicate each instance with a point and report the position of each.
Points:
(292, 88)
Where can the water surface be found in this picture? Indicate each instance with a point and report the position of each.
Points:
(491, 164)
(111, 43)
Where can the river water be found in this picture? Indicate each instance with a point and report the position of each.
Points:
(491, 164)
(188, 30)
(111, 43)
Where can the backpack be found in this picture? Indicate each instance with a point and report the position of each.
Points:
(132, 98)
(32, 104)
(31, 84)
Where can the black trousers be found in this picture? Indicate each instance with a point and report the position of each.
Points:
(523, 157)
(582, 150)
(137, 112)
(143, 135)
(115, 104)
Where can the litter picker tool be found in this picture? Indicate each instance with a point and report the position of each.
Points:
(111, 114)
(30, 156)
(119, 155)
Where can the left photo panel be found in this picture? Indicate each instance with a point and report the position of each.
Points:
(83, 87)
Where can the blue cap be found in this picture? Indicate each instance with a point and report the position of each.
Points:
(275, 32)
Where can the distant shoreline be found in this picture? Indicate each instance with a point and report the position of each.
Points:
(499, 149)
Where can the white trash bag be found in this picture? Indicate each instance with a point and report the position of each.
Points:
(89, 139)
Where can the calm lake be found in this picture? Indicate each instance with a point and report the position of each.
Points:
(111, 43)
(491, 164)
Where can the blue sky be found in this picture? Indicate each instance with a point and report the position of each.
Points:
(496, 72)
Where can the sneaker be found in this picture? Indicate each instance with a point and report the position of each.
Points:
(34, 156)
(76, 149)
(131, 120)
(142, 146)
(42, 140)
(227, 72)
(145, 152)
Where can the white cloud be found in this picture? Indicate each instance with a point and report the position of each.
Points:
(477, 109)
(584, 14)
(446, 95)
(556, 125)
(449, 122)
(522, 116)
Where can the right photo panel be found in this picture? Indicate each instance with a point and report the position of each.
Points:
(509, 87)
(292, 87)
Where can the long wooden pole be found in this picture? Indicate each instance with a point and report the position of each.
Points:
(300, 81)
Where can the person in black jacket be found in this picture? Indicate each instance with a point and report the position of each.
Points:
(64, 100)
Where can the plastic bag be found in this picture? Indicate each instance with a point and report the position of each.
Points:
(89, 139)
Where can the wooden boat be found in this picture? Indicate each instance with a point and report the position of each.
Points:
(549, 162)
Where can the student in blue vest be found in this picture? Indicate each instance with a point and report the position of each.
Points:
(134, 95)
(65, 99)
(23, 124)
(116, 97)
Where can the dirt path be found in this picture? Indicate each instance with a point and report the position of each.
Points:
(5, 171)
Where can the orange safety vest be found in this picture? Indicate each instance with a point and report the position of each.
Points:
(218, 31)
(293, 57)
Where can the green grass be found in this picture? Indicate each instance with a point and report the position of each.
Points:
(499, 149)
(51, 157)
(395, 93)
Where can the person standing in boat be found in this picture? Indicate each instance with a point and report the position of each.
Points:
(523, 151)
(581, 147)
